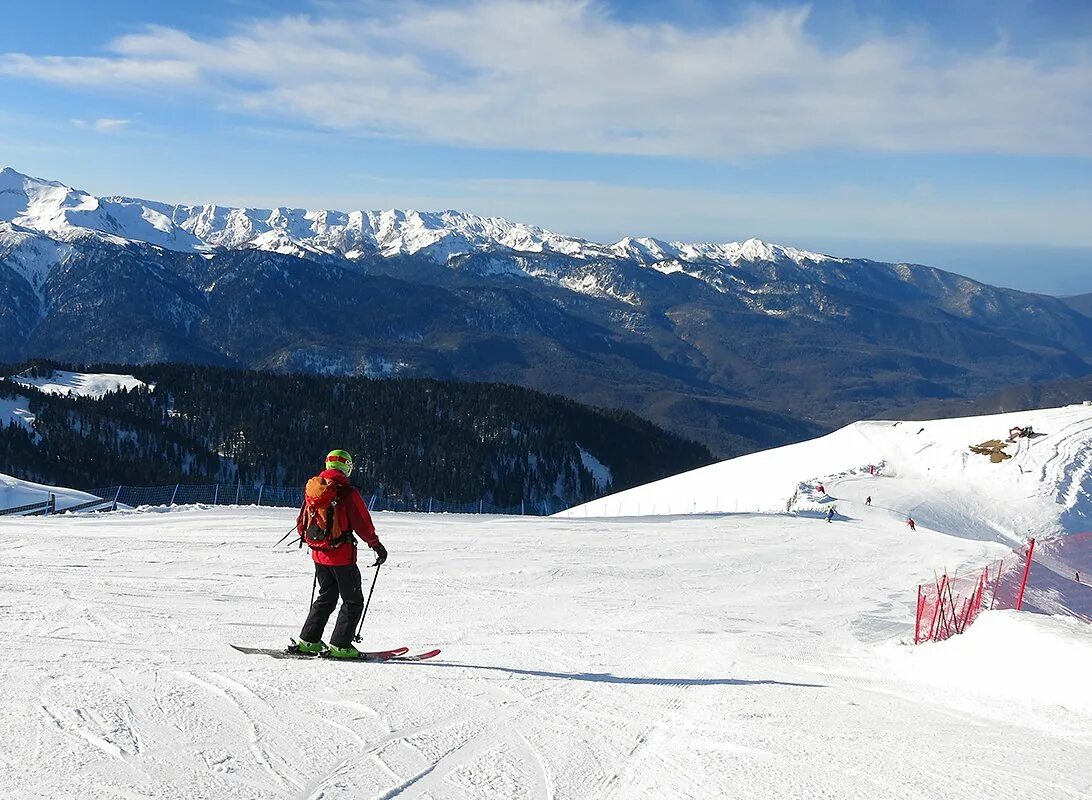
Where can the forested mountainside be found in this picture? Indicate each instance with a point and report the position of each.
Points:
(1022, 397)
(742, 346)
(412, 438)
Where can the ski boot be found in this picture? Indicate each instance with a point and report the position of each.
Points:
(306, 648)
(342, 652)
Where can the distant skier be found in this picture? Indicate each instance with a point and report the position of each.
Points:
(830, 513)
(332, 512)
(910, 522)
(821, 489)
(868, 500)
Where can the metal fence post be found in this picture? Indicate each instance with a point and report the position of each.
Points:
(52, 508)
(261, 487)
(216, 495)
(174, 495)
(238, 488)
(116, 496)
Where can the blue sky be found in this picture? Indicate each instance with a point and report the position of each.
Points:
(954, 134)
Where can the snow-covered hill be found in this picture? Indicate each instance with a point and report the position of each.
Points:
(15, 410)
(15, 492)
(79, 384)
(923, 469)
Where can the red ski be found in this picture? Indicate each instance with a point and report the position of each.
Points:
(419, 657)
(389, 655)
(378, 655)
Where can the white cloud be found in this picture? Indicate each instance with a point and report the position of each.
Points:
(564, 75)
(102, 124)
(99, 72)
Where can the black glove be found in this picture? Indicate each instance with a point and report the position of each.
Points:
(380, 554)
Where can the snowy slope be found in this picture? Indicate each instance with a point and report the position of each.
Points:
(15, 492)
(924, 469)
(16, 411)
(742, 656)
(80, 384)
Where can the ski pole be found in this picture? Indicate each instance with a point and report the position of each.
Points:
(360, 627)
(285, 536)
(314, 583)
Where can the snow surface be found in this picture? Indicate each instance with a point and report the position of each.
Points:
(743, 655)
(15, 492)
(923, 469)
(81, 384)
(16, 411)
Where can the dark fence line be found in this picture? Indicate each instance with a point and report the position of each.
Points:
(27, 509)
(218, 494)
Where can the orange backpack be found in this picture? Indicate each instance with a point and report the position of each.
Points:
(319, 522)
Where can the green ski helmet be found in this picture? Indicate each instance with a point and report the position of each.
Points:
(340, 460)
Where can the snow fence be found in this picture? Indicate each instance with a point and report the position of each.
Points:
(1051, 577)
(113, 497)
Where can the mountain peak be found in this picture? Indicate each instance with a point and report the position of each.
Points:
(67, 214)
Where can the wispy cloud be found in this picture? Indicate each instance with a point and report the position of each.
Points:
(102, 124)
(565, 75)
(100, 72)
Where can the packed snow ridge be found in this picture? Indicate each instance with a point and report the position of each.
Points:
(921, 469)
(66, 214)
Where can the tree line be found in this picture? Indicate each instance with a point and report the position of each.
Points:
(411, 438)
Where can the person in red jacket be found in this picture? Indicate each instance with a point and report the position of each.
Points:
(911, 523)
(336, 571)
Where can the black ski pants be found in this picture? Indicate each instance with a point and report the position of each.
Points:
(334, 581)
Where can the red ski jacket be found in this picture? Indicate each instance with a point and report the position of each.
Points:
(354, 518)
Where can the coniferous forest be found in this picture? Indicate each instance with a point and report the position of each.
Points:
(411, 439)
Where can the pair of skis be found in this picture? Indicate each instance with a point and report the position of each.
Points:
(397, 654)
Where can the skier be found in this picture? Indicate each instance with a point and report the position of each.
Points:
(868, 500)
(821, 489)
(910, 522)
(336, 571)
(830, 513)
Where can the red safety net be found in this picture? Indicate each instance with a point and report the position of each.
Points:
(1051, 577)
(950, 603)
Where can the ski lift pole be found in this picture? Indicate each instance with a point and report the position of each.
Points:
(360, 627)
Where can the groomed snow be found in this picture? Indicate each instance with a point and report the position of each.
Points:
(81, 384)
(742, 656)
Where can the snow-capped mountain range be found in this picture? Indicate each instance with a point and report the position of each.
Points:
(66, 214)
(737, 345)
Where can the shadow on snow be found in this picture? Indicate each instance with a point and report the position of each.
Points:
(606, 677)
